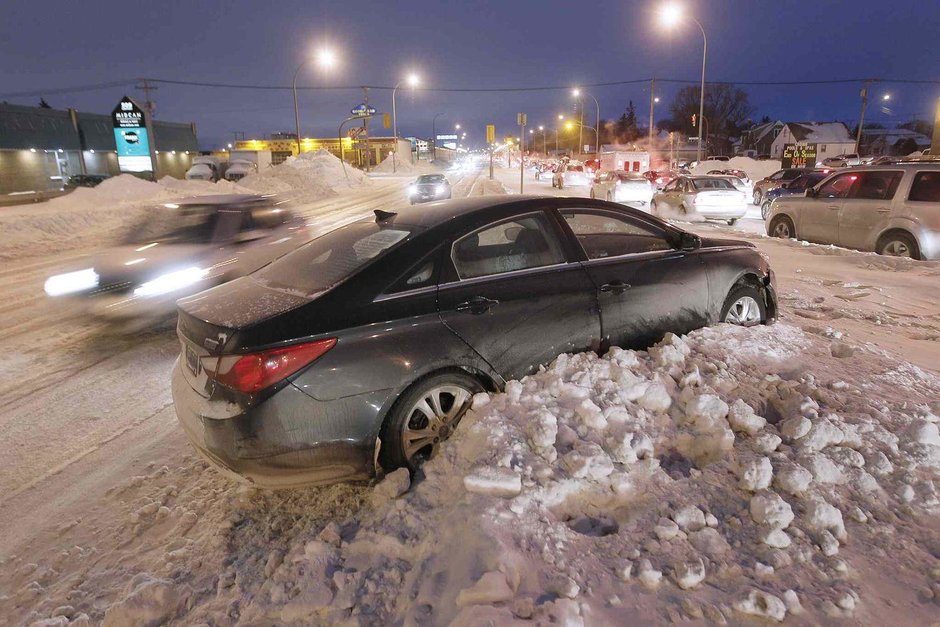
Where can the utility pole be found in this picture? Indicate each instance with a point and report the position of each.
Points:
(147, 87)
(365, 126)
(861, 118)
(522, 122)
(649, 147)
(580, 126)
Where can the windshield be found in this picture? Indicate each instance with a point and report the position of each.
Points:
(327, 260)
(430, 178)
(175, 225)
(707, 184)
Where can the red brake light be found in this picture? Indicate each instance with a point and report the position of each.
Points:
(256, 371)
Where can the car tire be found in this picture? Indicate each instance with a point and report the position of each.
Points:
(898, 244)
(782, 227)
(402, 447)
(765, 210)
(757, 197)
(744, 307)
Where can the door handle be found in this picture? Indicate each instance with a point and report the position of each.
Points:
(477, 305)
(615, 287)
(883, 210)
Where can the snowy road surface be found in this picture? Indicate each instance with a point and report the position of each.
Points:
(626, 468)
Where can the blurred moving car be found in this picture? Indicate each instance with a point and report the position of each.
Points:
(711, 197)
(773, 181)
(622, 186)
(85, 180)
(428, 187)
(891, 209)
(570, 175)
(178, 249)
(362, 350)
(798, 186)
(661, 178)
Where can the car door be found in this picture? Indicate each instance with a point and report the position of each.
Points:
(867, 208)
(513, 294)
(669, 197)
(819, 214)
(645, 286)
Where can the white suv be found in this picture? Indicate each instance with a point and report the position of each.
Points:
(892, 209)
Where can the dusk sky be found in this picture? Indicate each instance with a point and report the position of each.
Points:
(470, 44)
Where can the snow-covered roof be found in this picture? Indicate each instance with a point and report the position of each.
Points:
(894, 135)
(760, 131)
(819, 132)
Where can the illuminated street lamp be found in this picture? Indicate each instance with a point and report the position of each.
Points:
(886, 97)
(577, 93)
(412, 82)
(669, 16)
(326, 59)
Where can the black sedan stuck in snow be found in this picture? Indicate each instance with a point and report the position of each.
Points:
(363, 347)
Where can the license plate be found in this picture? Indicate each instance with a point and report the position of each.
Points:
(192, 361)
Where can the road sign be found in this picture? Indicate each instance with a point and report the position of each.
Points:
(355, 131)
(131, 137)
(490, 133)
(362, 109)
(386, 120)
(521, 119)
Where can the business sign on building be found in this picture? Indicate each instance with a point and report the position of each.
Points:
(131, 137)
(448, 141)
(799, 156)
(362, 110)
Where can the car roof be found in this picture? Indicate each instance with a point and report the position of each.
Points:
(431, 214)
(225, 200)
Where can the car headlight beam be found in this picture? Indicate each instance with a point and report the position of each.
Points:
(171, 282)
(71, 282)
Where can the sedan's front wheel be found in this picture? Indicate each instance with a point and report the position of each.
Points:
(744, 307)
(782, 227)
(424, 416)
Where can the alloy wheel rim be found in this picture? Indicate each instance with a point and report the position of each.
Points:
(744, 312)
(432, 419)
(897, 248)
(782, 229)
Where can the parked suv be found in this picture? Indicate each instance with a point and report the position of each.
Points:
(892, 209)
(777, 179)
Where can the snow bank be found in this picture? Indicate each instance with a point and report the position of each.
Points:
(312, 174)
(403, 165)
(755, 170)
(728, 474)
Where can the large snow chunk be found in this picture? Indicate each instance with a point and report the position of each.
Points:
(588, 460)
(760, 603)
(794, 480)
(689, 574)
(706, 409)
(655, 398)
(821, 516)
(769, 510)
(742, 418)
(755, 474)
(491, 588)
(823, 433)
(543, 430)
(493, 481)
(151, 602)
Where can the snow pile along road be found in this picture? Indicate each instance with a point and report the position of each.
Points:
(755, 170)
(312, 174)
(730, 474)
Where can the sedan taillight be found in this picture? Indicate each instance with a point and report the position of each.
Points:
(253, 372)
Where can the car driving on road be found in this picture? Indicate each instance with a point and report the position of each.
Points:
(569, 175)
(362, 349)
(796, 187)
(711, 197)
(177, 249)
(622, 186)
(891, 209)
(774, 181)
(428, 187)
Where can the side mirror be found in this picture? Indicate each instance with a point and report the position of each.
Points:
(689, 241)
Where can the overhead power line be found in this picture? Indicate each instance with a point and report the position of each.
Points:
(206, 84)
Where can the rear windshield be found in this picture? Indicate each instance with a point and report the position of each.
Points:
(702, 184)
(625, 176)
(327, 260)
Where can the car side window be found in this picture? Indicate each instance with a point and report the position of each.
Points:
(776, 176)
(515, 244)
(671, 186)
(925, 187)
(876, 185)
(605, 234)
(839, 186)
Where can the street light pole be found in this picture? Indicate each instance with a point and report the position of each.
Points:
(296, 108)
(669, 16)
(861, 118)
(413, 82)
(649, 147)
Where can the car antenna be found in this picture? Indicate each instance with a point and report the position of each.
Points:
(382, 216)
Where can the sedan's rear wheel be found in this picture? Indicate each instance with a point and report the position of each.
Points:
(744, 307)
(782, 227)
(424, 416)
(898, 245)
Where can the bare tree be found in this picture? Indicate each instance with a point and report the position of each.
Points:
(727, 110)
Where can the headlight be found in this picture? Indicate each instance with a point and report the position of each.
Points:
(440, 189)
(71, 282)
(412, 190)
(171, 282)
